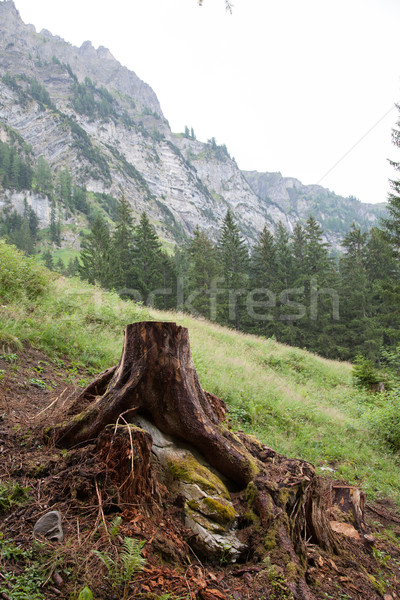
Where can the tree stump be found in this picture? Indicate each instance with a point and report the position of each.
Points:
(156, 378)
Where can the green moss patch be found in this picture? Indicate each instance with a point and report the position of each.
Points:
(218, 510)
(187, 469)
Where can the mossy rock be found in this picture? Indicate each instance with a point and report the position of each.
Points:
(211, 540)
(218, 510)
(185, 468)
(209, 525)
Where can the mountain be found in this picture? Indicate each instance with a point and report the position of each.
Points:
(81, 110)
(335, 214)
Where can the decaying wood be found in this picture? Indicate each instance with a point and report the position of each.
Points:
(351, 501)
(156, 378)
(126, 451)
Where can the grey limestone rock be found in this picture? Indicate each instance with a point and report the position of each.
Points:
(209, 512)
(49, 526)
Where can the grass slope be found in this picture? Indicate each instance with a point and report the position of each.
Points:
(296, 402)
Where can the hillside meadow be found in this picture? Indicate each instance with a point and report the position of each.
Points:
(294, 401)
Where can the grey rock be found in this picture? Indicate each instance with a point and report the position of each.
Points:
(297, 201)
(209, 512)
(223, 546)
(160, 440)
(49, 526)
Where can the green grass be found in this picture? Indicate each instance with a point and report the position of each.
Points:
(63, 317)
(65, 254)
(296, 402)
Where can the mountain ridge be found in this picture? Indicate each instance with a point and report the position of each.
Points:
(106, 126)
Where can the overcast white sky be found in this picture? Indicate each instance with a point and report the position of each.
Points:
(287, 85)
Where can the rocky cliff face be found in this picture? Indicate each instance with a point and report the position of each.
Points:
(297, 201)
(106, 126)
(22, 48)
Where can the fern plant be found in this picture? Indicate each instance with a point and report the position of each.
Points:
(128, 562)
(131, 557)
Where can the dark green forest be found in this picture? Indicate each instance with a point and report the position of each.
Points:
(289, 285)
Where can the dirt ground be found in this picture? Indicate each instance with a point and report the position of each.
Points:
(78, 485)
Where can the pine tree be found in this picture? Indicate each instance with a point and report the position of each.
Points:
(55, 224)
(383, 273)
(356, 317)
(235, 267)
(202, 270)
(95, 254)
(20, 230)
(44, 178)
(168, 277)
(321, 293)
(316, 255)
(79, 199)
(284, 324)
(263, 270)
(284, 258)
(380, 260)
(60, 267)
(263, 261)
(392, 222)
(391, 227)
(15, 171)
(148, 256)
(73, 267)
(47, 257)
(5, 155)
(33, 222)
(299, 243)
(64, 188)
(122, 254)
(22, 238)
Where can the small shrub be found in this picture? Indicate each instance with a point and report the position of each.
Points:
(39, 383)
(25, 584)
(384, 419)
(10, 358)
(20, 275)
(365, 375)
(115, 526)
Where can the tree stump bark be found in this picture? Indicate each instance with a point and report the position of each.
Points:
(156, 378)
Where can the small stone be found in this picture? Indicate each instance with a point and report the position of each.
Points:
(49, 526)
(58, 580)
(387, 597)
